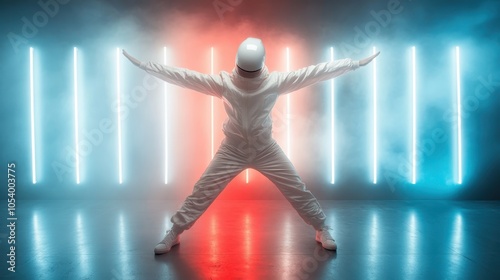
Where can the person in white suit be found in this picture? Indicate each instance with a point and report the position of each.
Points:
(249, 94)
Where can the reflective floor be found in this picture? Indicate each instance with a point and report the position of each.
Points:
(256, 240)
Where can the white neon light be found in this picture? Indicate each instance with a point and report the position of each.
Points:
(118, 93)
(288, 128)
(374, 118)
(32, 109)
(212, 105)
(332, 121)
(247, 175)
(459, 115)
(166, 117)
(75, 91)
(414, 116)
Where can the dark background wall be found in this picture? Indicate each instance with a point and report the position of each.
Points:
(189, 29)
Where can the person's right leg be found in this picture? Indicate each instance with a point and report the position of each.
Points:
(226, 164)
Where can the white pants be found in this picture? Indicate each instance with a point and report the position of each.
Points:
(228, 162)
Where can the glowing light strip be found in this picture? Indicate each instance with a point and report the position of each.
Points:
(459, 115)
(288, 145)
(212, 105)
(118, 93)
(166, 117)
(247, 175)
(75, 90)
(374, 118)
(332, 121)
(414, 116)
(32, 109)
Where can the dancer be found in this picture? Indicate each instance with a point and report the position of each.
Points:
(249, 94)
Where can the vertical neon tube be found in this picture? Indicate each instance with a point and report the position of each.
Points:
(414, 115)
(459, 115)
(32, 111)
(332, 121)
(374, 118)
(212, 106)
(288, 128)
(118, 94)
(247, 176)
(166, 117)
(75, 92)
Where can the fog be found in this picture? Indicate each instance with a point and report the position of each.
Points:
(189, 29)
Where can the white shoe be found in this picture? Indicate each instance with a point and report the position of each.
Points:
(324, 237)
(171, 239)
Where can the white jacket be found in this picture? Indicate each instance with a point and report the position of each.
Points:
(249, 101)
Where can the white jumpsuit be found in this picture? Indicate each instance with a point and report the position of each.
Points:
(248, 142)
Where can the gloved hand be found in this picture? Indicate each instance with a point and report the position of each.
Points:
(134, 60)
(367, 60)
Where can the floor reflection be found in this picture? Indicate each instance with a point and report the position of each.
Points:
(258, 240)
(286, 235)
(39, 242)
(83, 250)
(248, 240)
(412, 245)
(373, 246)
(456, 244)
(125, 264)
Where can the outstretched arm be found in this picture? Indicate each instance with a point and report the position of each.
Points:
(204, 83)
(292, 81)
(367, 60)
(132, 59)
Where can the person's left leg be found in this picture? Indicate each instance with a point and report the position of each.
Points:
(275, 165)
